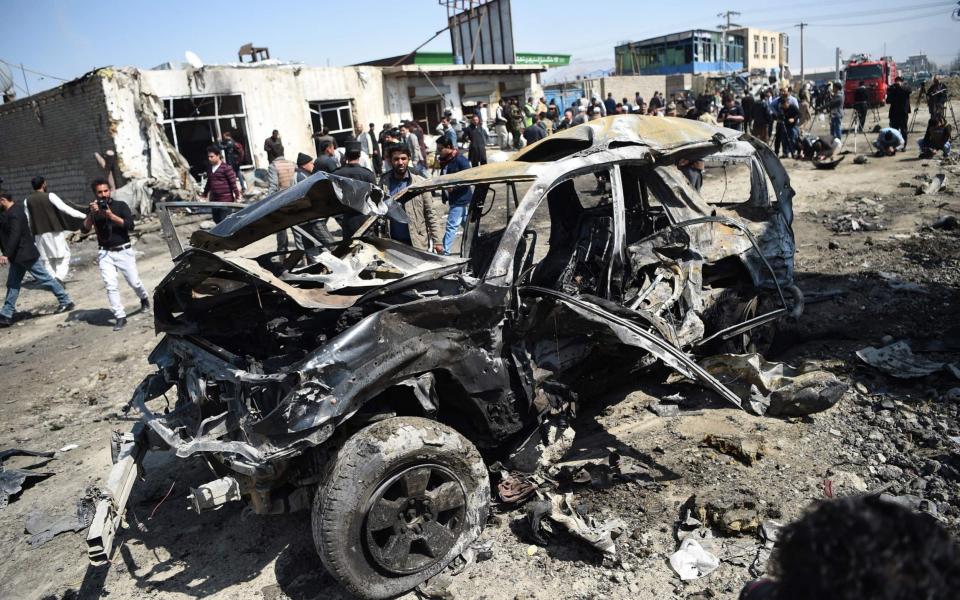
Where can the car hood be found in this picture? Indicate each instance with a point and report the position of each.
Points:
(319, 196)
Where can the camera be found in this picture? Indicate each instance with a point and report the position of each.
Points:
(101, 204)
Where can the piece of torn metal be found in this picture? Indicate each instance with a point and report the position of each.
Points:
(897, 359)
(12, 481)
(775, 389)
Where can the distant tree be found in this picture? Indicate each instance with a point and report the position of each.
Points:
(955, 63)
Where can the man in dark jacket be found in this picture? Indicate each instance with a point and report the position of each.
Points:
(233, 153)
(535, 132)
(458, 198)
(898, 97)
(475, 135)
(861, 102)
(327, 161)
(221, 184)
(21, 256)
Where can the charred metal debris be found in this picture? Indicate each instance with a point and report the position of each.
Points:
(266, 367)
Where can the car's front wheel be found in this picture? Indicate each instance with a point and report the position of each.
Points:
(404, 497)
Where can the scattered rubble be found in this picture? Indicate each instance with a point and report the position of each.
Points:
(43, 527)
(747, 449)
(898, 360)
(560, 509)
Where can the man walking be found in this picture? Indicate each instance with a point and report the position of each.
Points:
(475, 135)
(898, 97)
(113, 222)
(45, 212)
(457, 199)
(273, 147)
(233, 155)
(500, 125)
(21, 256)
(221, 184)
(424, 224)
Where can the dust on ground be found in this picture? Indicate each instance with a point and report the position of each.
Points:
(65, 379)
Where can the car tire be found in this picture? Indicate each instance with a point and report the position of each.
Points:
(403, 498)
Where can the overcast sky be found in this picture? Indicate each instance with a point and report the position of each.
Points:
(68, 38)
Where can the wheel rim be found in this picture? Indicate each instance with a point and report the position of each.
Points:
(414, 518)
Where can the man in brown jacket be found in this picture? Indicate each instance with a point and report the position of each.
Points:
(424, 229)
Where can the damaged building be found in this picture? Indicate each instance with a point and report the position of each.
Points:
(152, 126)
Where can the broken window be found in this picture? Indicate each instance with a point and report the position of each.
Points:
(193, 123)
(334, 115)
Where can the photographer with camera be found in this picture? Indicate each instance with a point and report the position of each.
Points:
(113, 221)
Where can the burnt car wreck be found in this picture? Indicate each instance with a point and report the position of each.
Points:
(367, 386)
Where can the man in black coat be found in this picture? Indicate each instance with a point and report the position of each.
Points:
(477, 138)
(21, 256)
(898, 97)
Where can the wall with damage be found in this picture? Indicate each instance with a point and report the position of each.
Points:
(55, 134)
(145, 156)
(277, 97)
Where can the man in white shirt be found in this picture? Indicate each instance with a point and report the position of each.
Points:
(45, 213)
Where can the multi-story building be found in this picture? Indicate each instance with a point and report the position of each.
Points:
(695, 51)
(764, 49)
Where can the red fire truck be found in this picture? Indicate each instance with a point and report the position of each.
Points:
(877, 75)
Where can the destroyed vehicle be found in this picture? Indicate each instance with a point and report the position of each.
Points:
(367, 387)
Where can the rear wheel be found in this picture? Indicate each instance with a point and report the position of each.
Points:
(405, 496)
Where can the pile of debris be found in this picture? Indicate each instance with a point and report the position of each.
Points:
(863, 214)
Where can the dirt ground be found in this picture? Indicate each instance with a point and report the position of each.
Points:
(64, 379)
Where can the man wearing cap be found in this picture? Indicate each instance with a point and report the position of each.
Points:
(352, 169)
(898, 97)
(581, 117)
(424, 226)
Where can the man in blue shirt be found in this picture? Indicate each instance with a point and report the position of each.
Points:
(458, 198)
(888, 142)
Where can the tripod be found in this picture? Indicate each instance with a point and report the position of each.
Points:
(857, 132)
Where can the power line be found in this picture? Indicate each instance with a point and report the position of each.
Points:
(864, 13)
(23, 68)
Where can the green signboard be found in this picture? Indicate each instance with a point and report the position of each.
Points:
(532, 58)
(523, 58)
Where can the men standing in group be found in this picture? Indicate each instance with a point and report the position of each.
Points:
(281, 174)
(500, 125)
(45, 212)
(326, 162)
(273, 146)
(424, 226)
(861, 101)
(408, 138)
(457, 199)
(514, 122)
(233, 155)
(656, 103)
(21, 256)
(898, 97)
(535, 132)
(352, 169)
(113, 222)
(835, 103)
(370, 145)
(731, 115)
(221, 184)
(476, 137)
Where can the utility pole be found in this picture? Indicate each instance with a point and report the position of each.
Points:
(723, 36)
(801, 25)
(836, 65)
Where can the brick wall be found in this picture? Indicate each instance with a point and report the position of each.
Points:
(54, 134)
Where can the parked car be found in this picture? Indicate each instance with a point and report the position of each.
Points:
(372, 386)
